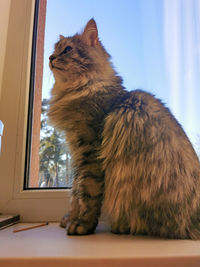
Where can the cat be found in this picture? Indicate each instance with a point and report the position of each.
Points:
(129, 152)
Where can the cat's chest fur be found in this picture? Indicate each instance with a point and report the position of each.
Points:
(85, 107)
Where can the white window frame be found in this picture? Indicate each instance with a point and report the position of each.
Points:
(32, 205)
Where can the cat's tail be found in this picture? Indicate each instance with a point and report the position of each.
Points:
(193, 231)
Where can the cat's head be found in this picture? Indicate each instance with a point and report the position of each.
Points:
(80, 57)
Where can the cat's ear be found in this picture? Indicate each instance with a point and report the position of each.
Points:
(61, 37)
(90, 33)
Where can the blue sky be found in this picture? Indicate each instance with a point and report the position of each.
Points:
(154, 44)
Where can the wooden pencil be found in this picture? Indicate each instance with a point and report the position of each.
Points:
(30, 227)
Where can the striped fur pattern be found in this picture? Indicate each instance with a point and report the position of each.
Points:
(129, 152)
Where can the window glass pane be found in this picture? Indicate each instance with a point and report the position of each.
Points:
(155, 46)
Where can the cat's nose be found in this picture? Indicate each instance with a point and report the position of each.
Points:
(51, 58)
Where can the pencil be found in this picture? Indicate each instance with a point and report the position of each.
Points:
(30, 227)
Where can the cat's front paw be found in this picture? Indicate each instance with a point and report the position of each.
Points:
(64, 221)
(80, 228)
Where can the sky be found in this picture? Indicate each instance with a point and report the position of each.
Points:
(154, 44)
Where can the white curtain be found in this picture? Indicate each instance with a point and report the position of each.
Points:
(182, 59)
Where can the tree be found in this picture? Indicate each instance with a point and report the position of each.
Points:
(55, 160)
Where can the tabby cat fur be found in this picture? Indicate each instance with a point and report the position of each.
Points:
(129, 152)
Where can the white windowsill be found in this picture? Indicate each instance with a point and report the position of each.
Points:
(50, 246)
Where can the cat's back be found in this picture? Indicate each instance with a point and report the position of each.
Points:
(144, 110)
(145, 105)
(141, 123)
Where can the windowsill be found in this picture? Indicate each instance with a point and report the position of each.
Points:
(50, 246)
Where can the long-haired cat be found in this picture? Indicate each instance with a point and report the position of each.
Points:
(128, 150)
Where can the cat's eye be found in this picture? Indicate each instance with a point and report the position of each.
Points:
(67, 49)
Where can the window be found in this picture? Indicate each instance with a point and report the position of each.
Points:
(154, 46)
(48, 161)
(47, 156)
